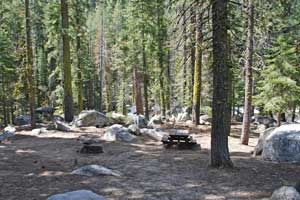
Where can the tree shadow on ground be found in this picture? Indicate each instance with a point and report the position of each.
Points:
(35, 167)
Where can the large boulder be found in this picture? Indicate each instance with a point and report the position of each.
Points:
(91, 118)
(95, 170)
(262, 138)
(285, 193)
(22, 120)
(61, 126)
(139, 120)
(151, 133)
(77, 195)
(134, 129)
(45, 111)
(205, 119)
(283, 144)
(118, 132)
(7, 133)
(265, 120)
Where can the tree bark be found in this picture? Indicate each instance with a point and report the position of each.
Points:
(248, 76)
(220, 156)
(197, 72)
(137, 93)
(160, 41)
(145, 78)
(193, 49)
(29, 65)
(68, 96)
(78, 50)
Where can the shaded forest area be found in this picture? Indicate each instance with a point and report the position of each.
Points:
(224, 72)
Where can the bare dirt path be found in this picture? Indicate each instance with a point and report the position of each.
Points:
(33, 167)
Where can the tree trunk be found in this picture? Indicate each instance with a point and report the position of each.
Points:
(29, 65)
(193, 49)
(278, 116)
(197, 73)
(160, 41)
(185, 58)
(145, 77)
(68, 98)
(221, 79)
(78, 50)
(294, 113)
(248, 76)
(137, 93)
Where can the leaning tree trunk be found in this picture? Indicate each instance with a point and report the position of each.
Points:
(68, 98)
(29, 65)
(248, 77)
(221, 86)
(197, 72)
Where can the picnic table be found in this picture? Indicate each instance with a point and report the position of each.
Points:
(178, 138)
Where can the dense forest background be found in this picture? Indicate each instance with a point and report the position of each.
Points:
(157, 55)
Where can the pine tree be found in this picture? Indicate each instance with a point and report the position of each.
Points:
(29, 65)
(221, 86)
(67, 79)
(248, 76)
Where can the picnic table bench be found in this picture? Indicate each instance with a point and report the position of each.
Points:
(178, 138)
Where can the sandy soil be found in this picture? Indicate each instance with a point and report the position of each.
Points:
(33, 167)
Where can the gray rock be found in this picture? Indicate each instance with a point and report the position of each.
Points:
(91, 118)
(95, 170)
(22, 120)
(91, 149)
(205, 120)
(151, 133)
(77, 195)
(285, 193)
(262, 137)
(45, 111)
(183, 117)
(7, 133)
(265, 120)
(283, 144)
(38, 131)
(61, 126)
(134, 129)
(139, 120)
(155, 120)
(118, 132)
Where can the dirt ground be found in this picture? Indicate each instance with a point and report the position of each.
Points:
(33, 167)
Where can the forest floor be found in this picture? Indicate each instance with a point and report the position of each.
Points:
(33, 167)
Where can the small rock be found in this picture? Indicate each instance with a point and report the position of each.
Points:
(205, 120)
(92, 148)
(7, 133)
(285, 193)
(38, 131)
(95, 170)
(77, 195)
